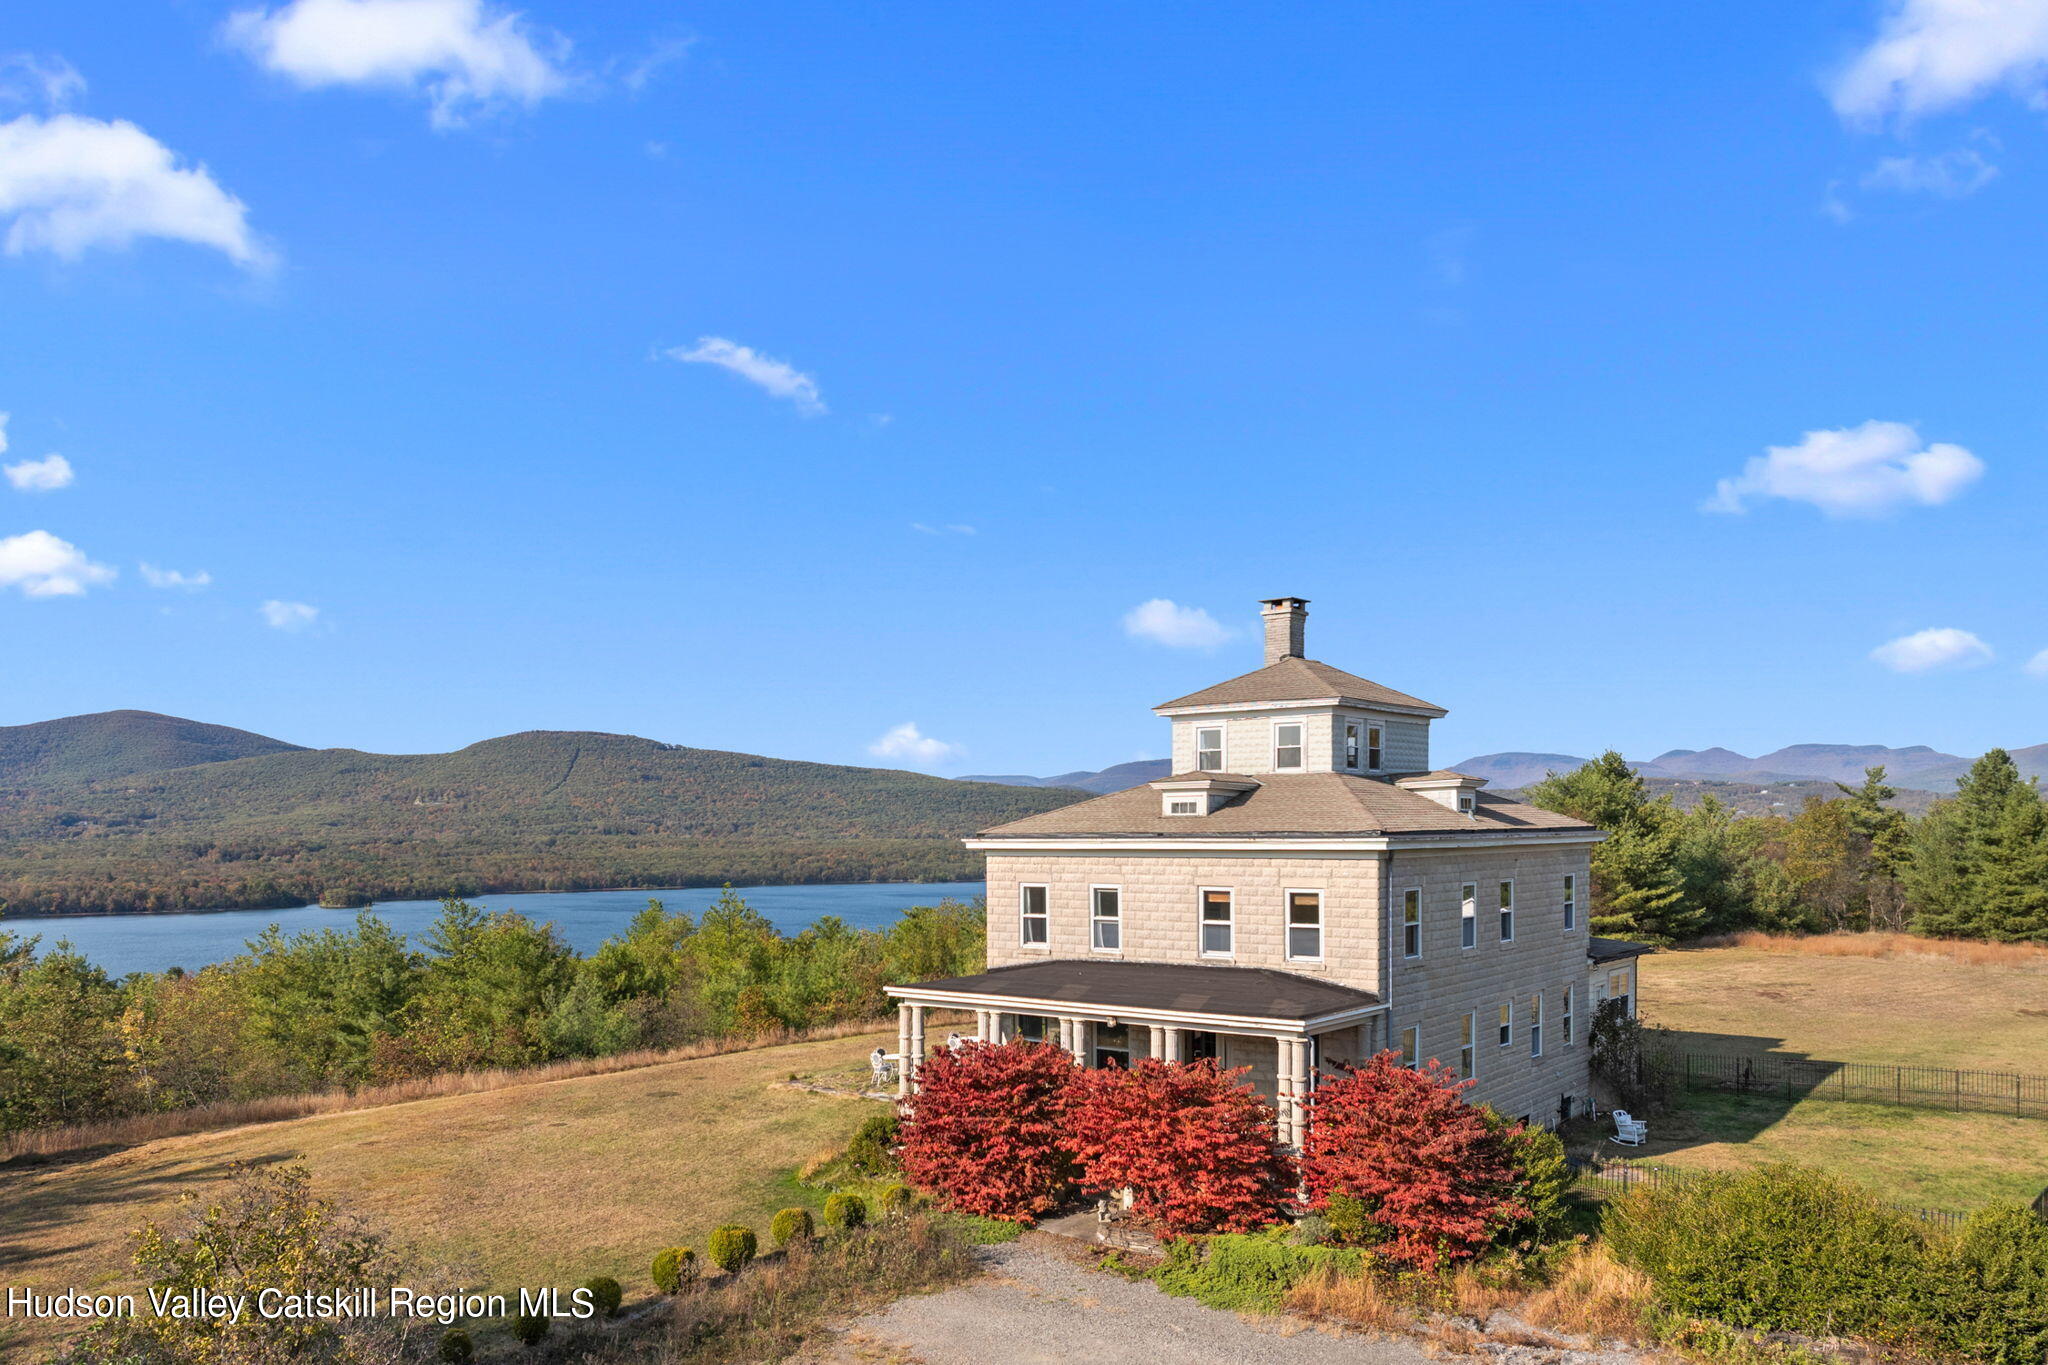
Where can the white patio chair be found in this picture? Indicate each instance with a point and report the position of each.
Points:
(955, 1041)
(1628, 1131)
(881, 1068)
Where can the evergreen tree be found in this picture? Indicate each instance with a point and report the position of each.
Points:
(1978, 865)
(1638, 890)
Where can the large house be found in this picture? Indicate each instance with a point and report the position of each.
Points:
(1304, 889)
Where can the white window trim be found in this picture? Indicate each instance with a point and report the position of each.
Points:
(1411, 1054)
(1171, 799)
(1222, 748)
(1470, 1073)
(1504, 916)
(1407, 956)
(1371, 766)
(1571, 901)
(1287, 895)
(1301, 748)
(1536, 1024)
(1344, 758)
(1202, 904)
(1468, 915)
(1094, 918)
(1505, 1030)
(1026, 944)
(1569, 1015)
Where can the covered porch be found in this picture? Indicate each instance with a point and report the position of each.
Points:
(1282, 1026)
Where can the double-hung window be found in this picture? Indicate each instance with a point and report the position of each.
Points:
(1373, 748)
(1209, 748)
(1411, 1047)
(1536, 1024)
(1507, 912)
(1411, 922)
(1105, 919)
(1034, 923)
(1567, 1018)
(1468, 1046)
(1305, 926)
(1216, 923)
(1571, 901)
(1507, 1022)
(1354, 744)
(1468, 915)
(1287, 744)
(1617, 989)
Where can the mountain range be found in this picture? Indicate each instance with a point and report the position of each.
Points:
(129, 810)
(1916, 767)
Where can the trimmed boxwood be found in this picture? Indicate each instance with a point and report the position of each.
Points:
(869, 1152)
(846, 1211)
(531, 1327)
(456, 1348)
(897, 1201)
(731, 1247)
(792, 1225)
(675, 1269)
(606, 1294)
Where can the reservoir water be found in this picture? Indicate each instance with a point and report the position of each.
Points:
(150, 943)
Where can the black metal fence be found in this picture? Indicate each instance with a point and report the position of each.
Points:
(1627, 1175)
(1926, 1087)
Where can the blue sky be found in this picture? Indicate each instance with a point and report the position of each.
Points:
(772, 377)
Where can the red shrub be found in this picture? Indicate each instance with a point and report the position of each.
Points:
(1427, 1166)
(1194, 1145)
(983, 1130)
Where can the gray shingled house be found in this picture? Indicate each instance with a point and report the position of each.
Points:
(1304, 889)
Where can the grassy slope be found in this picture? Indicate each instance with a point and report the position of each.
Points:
(1925, 1011)
(544, 1184)
(534, 811)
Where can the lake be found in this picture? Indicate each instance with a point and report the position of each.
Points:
(150, 943)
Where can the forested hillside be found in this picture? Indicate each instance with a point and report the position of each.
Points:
(544, 810)
(117, 744)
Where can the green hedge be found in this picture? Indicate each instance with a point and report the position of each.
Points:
(1786, 1248)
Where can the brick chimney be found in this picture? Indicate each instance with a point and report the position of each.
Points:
(1286, 627)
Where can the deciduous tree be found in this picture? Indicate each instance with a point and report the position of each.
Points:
(984, 1130)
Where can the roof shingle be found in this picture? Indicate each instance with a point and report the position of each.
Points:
(1300, 680)
(1187, 988)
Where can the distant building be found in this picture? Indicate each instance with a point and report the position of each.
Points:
(1303, 889)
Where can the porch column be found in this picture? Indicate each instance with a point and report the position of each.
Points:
(986, 1025)
(914, 1061)
(1157, 1049)
(903, 1051)
(1283, 1090)
(1293, 1080)
(1176, 1045)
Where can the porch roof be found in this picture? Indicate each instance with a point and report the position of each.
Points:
(1153, 990)
(1614, 949)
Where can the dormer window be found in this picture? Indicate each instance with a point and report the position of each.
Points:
(1209, 748)
(1287, 744)
(1465, 802)
(1183, 805)
(1354, 744)
(1372, 747)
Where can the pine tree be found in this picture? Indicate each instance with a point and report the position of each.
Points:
(1979, 861)
(1638, 889)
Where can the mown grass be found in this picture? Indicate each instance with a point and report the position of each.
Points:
(540, 1184)
(1910, 1008)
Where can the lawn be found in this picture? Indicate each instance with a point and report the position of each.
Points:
(1919, 1011)
(544, 1184)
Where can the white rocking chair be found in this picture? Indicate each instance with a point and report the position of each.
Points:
(1629, 1132)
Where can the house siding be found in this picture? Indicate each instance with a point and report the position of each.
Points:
(1248, 741)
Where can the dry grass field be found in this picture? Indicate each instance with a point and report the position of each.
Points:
(1858, 999)
(549, 1183)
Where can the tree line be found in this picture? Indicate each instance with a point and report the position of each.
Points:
(484, 989)
(1974, 866)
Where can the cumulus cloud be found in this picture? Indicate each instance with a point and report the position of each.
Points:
(184, 582)
(43, 82)
(463, 57)
(1949, 175)
(1166, 622)
(775, 377)
(70, 184)
(292, 616)
(2037, 667)
(1930, 55)
(1925, 650)
(41, 565)
(39, 476)
(1861, 471)
(908, 743)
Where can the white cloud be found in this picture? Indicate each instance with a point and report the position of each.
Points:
(776, 377)
(465, 58)
(1860, 471)
(948, 529)
(69, 184)
(1935, 54)
(41, 565)
(171, 578)
(907, 742)
(39, 476)
(1168, 623)
(43, 82)
(1950, 175)
(1941, 647)
(2037, 667)
(288, 615)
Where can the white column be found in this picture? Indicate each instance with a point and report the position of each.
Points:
(915, 1061)
(1176, 1045)
(1157, 1050)
(904, 1050)
(985, 1025)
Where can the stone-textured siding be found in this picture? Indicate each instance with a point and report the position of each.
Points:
(1248, 741)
